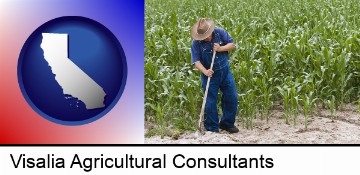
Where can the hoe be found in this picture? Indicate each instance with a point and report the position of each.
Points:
(201, 118)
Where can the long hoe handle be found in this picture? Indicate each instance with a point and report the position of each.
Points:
(201, 118)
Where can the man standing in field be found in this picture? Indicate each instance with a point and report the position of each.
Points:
(206, 39)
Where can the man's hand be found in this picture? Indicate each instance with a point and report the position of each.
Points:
(217, 47)
(208, 72)
(227, 47)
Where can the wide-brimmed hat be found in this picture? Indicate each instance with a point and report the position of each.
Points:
(202, 29)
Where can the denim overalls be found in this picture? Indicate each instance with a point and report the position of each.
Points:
(221, 79)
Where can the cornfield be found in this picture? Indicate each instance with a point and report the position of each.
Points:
(297, 55)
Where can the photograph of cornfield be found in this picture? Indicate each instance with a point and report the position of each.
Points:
(296, 67)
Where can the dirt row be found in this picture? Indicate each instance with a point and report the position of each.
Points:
(323, 128)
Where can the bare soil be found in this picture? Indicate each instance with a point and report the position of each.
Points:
(323, 128)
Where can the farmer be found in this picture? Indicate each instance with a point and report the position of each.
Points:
(206, 39)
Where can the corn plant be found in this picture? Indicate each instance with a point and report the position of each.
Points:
(294, 102)
(285, 93)
(247, 109)
(308, 102)
(331, 105)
